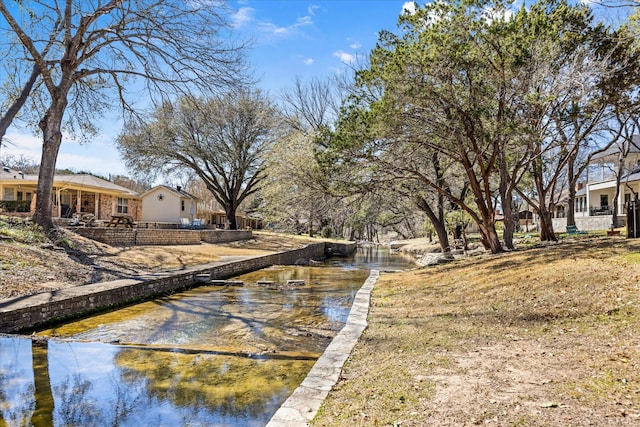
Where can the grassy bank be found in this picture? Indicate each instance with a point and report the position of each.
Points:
(540, 337)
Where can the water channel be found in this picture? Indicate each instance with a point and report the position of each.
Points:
(210, 356)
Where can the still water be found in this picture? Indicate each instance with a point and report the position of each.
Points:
(211, 356)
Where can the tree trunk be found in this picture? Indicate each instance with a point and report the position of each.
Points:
(44, 402)
(571, 217)
(546, 225)
(437, 220)
(506, 198)
(619, 172)
(310, 225)
(508, 221)
(490, 238)
(571, 200)
(51, 126)
(231, 218)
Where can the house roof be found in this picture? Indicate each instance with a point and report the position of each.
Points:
(177, 191)
(611, 153)
(92, 181)
(634, 175)
(81, 180)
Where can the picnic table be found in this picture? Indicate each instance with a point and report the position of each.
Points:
(124, 220)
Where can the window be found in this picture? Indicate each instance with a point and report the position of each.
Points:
(182, 205)
(8, 194)
(604, 200)
(122, 206)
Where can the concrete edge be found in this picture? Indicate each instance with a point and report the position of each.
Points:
(304, 402)
(25, 313)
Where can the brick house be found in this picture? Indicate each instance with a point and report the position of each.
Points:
(80, 193)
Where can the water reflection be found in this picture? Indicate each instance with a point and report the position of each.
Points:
(214, 356)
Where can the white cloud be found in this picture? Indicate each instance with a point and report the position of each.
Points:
(22, 144)
(243, 16)
(268, 27)
(355, 45)
(312, 8)
(345, 57)
(409, 7)
(491, 14)
(99, 156)
(308, 61)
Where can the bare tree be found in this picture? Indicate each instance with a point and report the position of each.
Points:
(19, 163)
(298, 191)
(312, 106)
(222, 140)
(90, 53)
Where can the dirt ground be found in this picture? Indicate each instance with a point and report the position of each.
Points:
(540, 337)
(31, 268)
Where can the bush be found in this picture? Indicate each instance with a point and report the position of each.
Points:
(21, 230)
(326, 232)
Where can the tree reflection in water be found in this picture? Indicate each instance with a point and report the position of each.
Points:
(43, 397)
(70, 384)
(187, 364)
(232, 386)
(70, 402)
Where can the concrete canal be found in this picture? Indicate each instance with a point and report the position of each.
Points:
(211, 356)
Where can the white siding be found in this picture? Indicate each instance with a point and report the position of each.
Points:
(166, 209)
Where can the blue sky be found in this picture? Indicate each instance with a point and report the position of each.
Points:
(311, 38)
(293, 38)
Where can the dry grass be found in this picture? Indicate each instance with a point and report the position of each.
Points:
(542, 337)
(38, 266)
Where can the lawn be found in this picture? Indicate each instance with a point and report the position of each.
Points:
(546, 336)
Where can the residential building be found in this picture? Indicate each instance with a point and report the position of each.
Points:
(168, 204)
(596, 196)
(81, 193)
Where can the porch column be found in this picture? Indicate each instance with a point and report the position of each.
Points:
(95, 204)
(588, 200)
(79, 201)
(58, 203)
(620, 201)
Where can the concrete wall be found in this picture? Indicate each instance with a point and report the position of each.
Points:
(223, 236)
(588, 223)
(24, 313)
(118, 236)
(340, 249)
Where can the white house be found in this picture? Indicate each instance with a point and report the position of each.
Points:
(168, 204)
(595, 198)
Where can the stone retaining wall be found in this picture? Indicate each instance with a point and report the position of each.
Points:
(116, 236)
(588, 223)
(339, 249)
(26, 313)
(223, 236)
(314, 251)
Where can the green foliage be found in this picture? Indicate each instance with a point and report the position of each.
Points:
(327, 232)
(475, 95)
(457, 218)
(21, 230)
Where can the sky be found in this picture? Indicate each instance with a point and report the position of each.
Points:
(291, 39)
